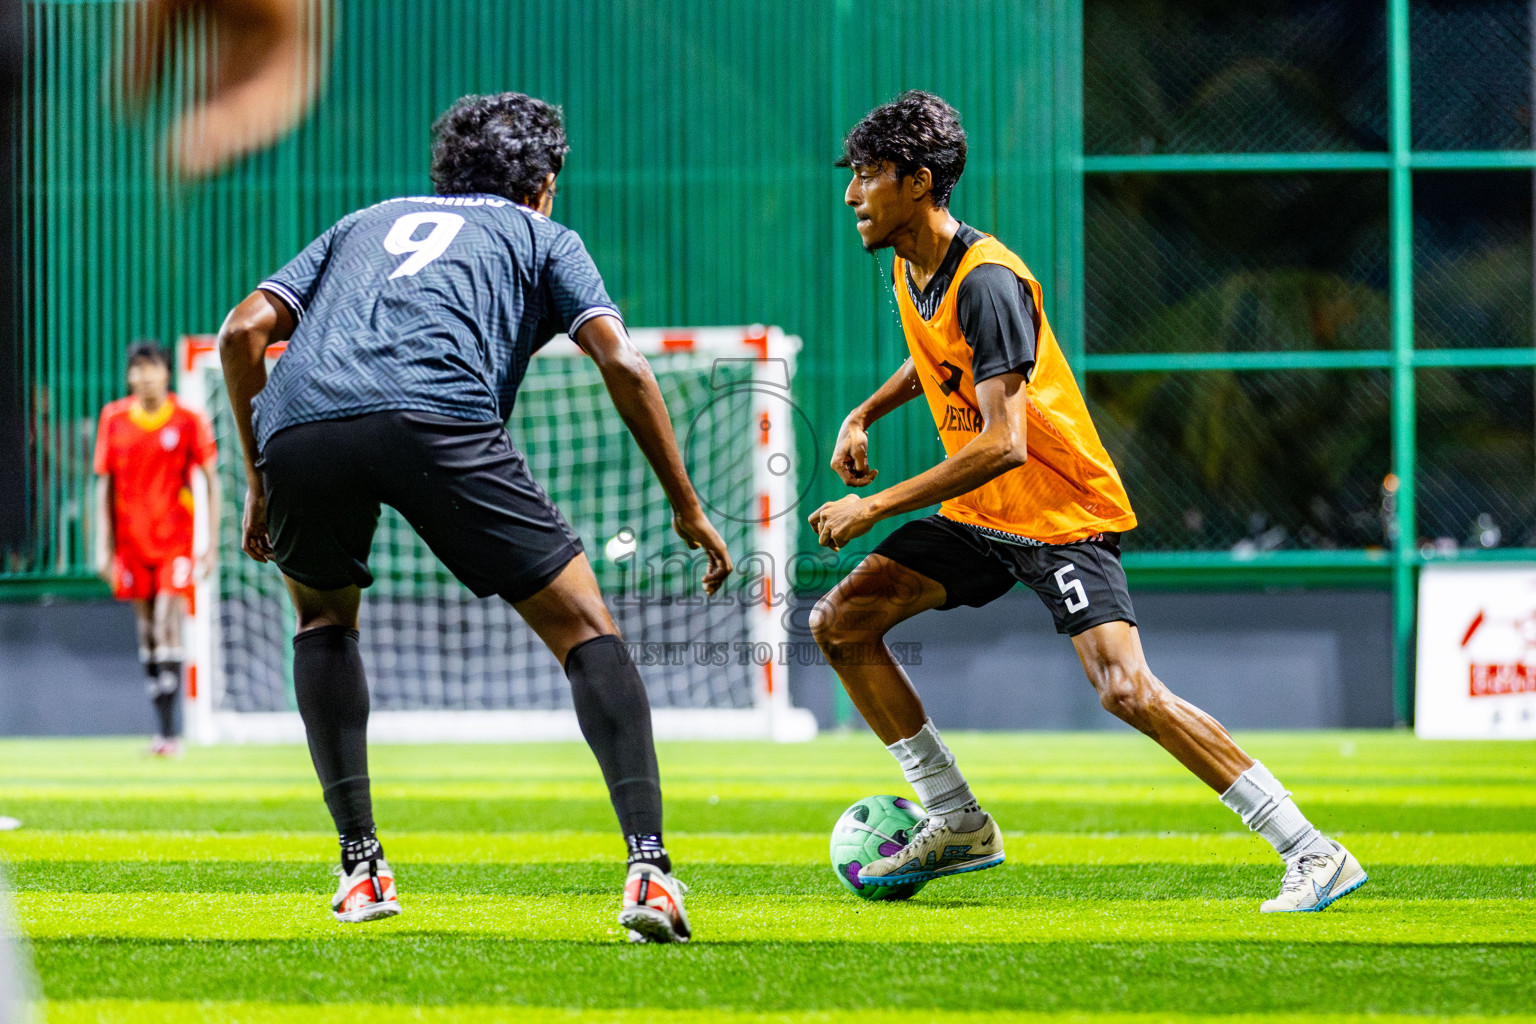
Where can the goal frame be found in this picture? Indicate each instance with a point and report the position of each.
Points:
(772, 714)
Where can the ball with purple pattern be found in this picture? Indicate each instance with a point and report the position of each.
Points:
(875, 827)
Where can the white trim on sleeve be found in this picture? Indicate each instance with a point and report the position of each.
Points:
(590, 313)
(285, 293)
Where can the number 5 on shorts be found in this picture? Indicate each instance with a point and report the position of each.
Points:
(1072, 590)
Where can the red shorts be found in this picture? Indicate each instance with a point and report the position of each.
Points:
(136, 578)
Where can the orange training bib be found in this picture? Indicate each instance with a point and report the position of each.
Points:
(1068, 489)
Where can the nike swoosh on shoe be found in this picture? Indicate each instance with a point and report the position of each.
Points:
(1322, 893)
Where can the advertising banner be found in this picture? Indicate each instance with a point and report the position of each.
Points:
(1477, 652)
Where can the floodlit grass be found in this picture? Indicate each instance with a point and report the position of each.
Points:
(197, 890)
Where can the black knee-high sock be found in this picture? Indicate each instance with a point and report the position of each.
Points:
(166, 695)
(164, 710)
(332, 694)
(615, 717)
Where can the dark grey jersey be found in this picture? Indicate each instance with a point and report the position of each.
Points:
(994, 307)
(432, 303)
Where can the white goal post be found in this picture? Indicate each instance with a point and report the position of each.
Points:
(445, 667)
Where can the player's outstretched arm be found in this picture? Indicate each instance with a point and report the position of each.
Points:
(213, 510)
(106, 541)
(632, 386)
(850, 457)
(259, 321)
(999, 447)
(106, 545)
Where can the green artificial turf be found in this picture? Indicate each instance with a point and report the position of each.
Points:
(198, 890)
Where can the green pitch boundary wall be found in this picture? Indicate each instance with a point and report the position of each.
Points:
(703, 135)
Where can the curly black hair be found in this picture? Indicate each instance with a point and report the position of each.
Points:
(916, 129)
(148, 348)
(503, 144)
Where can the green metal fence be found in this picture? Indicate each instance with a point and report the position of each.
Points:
(1307, 288)
(1288, 245)
(701, 178)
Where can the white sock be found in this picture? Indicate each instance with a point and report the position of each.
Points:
(941, 789)
(1267, 808)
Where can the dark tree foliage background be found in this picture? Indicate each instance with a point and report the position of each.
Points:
(1262, 262)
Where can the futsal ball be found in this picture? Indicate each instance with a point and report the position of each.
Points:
(875, 827)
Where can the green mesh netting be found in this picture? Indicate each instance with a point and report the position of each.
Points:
(1213, 76)
(1251, 461)
(1477, 457)
(1472, 269)
(1471, 73)
(429, 644)
(1236, 262)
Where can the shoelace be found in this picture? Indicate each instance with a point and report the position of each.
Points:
(1295, 878)
(925, 828)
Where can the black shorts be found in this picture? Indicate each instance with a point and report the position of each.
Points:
(461, 485)
(1082, 583)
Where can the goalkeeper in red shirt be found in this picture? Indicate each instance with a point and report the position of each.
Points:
(146, 447)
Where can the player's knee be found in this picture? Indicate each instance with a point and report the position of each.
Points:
(316, 618)
(824, 622)
(839, 629)
(1131, 694)
(167, 632)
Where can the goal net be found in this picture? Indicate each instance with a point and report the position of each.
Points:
(445, 666)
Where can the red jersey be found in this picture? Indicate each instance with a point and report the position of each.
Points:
(150, 458)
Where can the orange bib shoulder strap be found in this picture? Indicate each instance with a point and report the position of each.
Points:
(989, 250)
(986, 249)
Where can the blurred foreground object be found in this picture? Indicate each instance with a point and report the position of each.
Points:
(258, 68)
(13, 433)
(15, 978)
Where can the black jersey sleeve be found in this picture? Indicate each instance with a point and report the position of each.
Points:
(997, 318)
(295, 284)
(576, 288)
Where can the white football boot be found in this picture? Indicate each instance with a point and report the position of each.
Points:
(653, 906)
(1316, 880)
(936, 850)
(365, 893)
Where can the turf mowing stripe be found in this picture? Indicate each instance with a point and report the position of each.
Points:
(1515, 794)
(1008, 881)
(906, 982)
(1496, 848)
(741, 816)
(1159, 916)
(1113, 754)
(132, 1011)
(570, 763)
(952, 914)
